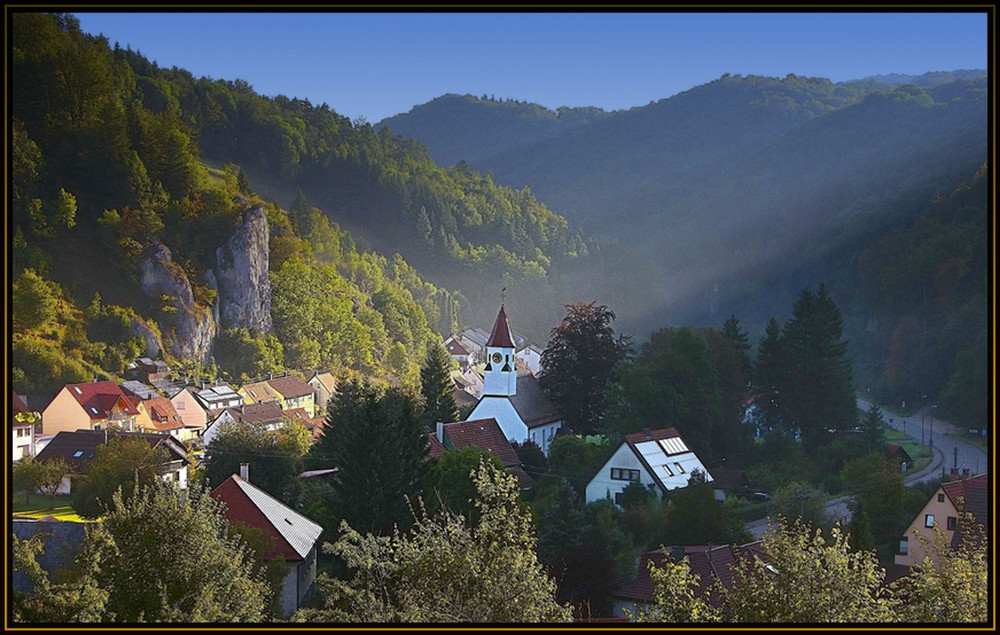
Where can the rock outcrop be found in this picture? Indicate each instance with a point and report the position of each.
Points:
(188, 330)
(241, 275)
(149, 333)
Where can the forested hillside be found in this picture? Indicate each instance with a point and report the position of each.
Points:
(123, 236)
(745, 190)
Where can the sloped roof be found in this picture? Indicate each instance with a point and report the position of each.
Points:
(267, 412)
(532, 404)
(261, 391)
(500, 337)
(974, 497)
(97, 398)
(455, 347)
(326, 380)
(659, 451)
(705, 561)
(294, 534)
(78, 448)
(163, 414)
(138, 389)
(291, 386)
(482, 434)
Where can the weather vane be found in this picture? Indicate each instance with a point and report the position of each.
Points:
(503, 295)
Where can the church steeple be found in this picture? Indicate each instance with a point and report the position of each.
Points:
(500, 377)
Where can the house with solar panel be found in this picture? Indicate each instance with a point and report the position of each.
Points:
(512, 397)
(295, 536)
(657, 458)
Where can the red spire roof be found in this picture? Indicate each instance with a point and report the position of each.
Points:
(500, 337)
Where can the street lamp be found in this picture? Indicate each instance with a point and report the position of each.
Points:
(932, 427)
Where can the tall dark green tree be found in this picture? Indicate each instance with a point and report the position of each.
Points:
(821, 385)
(580, 358)
(376, 442)
(274, 466)
(770, 377)
(740, 339)
(437, 388)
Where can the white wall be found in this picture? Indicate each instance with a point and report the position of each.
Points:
(602, 486)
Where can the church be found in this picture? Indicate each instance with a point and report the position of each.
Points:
(513, 397)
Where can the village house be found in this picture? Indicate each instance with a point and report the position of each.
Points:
(215, 399)
(24, 424)
(708, 562)
(89, 406)
(295, 393)
(165, 418)
(653, 457)
(260, 392)
(482, 434)
(968, 495)
(191, 411)
(531, 357)
(514, 399)
(313, 424)
(325, 385)
(458, 352)
(295, 536)
(266, 415)
(78, 449)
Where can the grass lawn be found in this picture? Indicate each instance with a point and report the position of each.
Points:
(38, 507)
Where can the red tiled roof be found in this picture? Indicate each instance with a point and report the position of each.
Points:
(483, 434)
(654, 435)
(267, 412)
(500, 337)
(291, 386)
(455, 348)
(973, 493)
(97, 398)
(164, 415)
(435, 448)
(705, 561)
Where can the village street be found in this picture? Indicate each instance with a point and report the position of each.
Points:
(946, 454)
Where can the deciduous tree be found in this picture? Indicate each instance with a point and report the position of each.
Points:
(444, 570)
(581, 354)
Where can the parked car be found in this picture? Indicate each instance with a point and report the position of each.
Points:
(761, 497)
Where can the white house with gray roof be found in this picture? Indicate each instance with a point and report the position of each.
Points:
(653, 457)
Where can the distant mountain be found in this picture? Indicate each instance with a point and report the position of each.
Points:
(724, 183)
(488, 126)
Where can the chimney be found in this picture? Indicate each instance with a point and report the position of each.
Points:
(677, 552)
(245, 472)
(965, 472)
(646, 432)
(440, 432)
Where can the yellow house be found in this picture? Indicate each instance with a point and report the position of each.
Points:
(295, 393)
(87, 406)
(325, 385)
(941, 511)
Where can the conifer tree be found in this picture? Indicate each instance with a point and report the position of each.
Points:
(377, 444)
(821, 386)
(769, 373)
(436, 388)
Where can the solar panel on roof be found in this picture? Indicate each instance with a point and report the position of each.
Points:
(673, 445)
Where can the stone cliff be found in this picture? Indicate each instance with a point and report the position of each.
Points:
(188, 329)
(241, 276)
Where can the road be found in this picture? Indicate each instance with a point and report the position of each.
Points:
(947, 454)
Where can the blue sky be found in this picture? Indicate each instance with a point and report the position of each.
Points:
(380, 64)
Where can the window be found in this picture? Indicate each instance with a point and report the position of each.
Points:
(928, 520)
(904, 546)
(668, 470)
(619, 474)
(179, 405)
(618, 498)
(940, 498)
(679, 468)
(952, 523)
